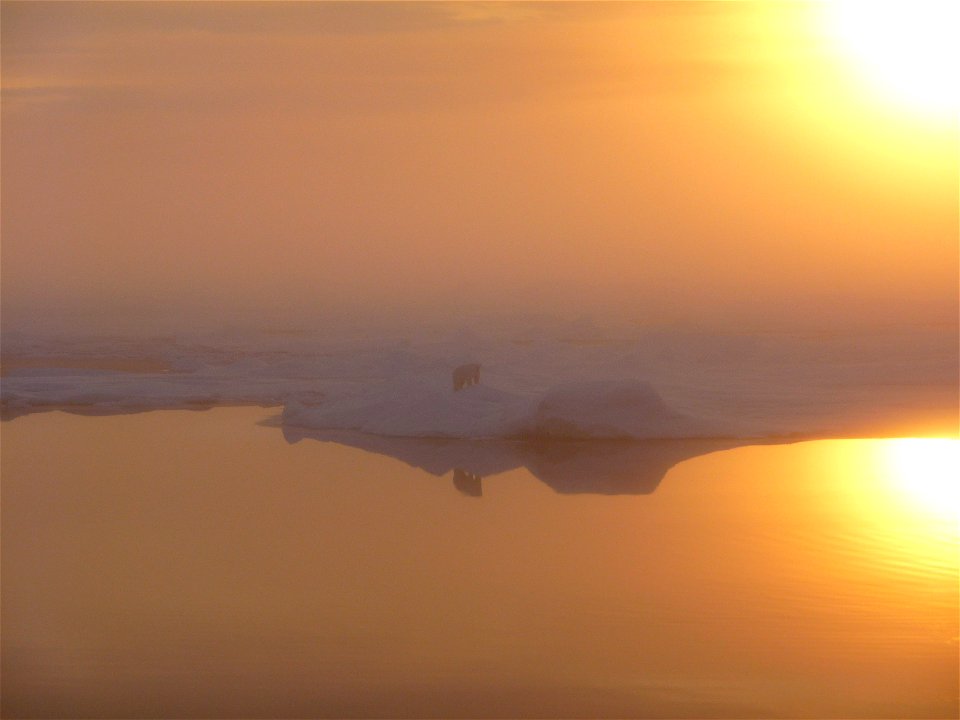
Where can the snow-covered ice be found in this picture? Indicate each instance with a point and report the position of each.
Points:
(542, 379)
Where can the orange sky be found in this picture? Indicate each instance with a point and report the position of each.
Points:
(653, 160)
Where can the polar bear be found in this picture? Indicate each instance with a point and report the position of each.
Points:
(465, 375)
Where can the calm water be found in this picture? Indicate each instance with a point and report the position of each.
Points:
(177, 564)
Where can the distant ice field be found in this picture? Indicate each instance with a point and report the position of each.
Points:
(574, 380)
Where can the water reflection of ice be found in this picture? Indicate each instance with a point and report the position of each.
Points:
(604, 467)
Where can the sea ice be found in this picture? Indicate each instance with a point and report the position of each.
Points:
(540, 380)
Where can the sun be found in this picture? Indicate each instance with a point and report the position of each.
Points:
(906, 49)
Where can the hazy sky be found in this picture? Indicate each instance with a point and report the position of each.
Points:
(651, 160)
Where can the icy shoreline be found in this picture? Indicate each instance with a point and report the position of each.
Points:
(624, 409)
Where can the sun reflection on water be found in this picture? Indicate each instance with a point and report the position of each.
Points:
(894, 511)
(926, 472)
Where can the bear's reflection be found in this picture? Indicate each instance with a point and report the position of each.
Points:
(467, 483)
(606, 467)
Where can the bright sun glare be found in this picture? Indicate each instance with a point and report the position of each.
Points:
(906, 48)
(927, 470)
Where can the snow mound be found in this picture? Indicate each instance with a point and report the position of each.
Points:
(609, 409)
